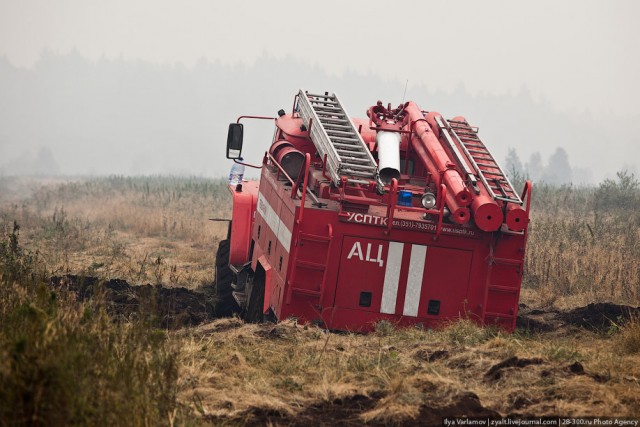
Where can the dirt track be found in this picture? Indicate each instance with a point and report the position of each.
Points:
(179, 307)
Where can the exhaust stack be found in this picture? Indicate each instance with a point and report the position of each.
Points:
(388, 155)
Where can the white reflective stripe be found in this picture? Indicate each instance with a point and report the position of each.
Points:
(273, 221)
(391, 278)
(284, 235)
(414, 282)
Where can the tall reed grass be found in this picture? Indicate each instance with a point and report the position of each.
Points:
(63, 362)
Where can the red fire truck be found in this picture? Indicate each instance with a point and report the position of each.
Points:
(401, 216)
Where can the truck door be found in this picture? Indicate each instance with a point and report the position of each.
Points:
(402, 279)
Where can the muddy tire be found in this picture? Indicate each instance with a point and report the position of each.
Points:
(225, 305)
(255, 303)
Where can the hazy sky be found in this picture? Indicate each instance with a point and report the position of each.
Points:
(578, 55)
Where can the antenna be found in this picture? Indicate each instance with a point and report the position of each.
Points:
(405, 91)
(401, 109)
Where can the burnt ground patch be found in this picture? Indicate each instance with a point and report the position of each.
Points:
(347, 412)
(342, 412)
(496, 371)
(600, 316)
(337, 412)
(164, 307)
(537, 320)
(179, 307)
(465, 404)
(597, 317)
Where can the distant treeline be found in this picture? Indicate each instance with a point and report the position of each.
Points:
(69, 115)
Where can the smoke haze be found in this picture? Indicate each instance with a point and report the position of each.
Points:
(150, 87)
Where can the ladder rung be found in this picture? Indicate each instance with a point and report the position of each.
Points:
(463, 125)
(322, 108)
(354, 166)
(356, 173)
(331, 126)
(499, 182)
(349, 152)
(485, 172)
(341, 139)
(322, 101)
(362, 157)
(323, 114)
(486, 152)
(462, 128)
(501, 189)
(309, 95)
(354, 159)
(326, 120)
(509, 200)
(331, 132)
(344, 146)
(488, 165)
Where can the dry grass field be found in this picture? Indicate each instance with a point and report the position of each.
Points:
(65, 361)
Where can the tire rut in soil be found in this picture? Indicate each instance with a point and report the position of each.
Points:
(165, 307)
(178, 307)
(596, 317)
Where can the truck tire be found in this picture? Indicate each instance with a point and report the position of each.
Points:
(255, 303)
(225, 305)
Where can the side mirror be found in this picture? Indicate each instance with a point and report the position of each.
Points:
(234, 141)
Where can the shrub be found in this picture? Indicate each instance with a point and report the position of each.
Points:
(63, 362)
(623, 194)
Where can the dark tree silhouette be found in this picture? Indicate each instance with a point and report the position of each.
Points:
(513, 166)
(558, 171)
(535, 167)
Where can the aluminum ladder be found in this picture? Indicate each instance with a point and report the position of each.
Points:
(335, 137)
(488, 170)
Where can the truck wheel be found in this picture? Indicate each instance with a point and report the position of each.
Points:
(255, 304)
(226, 305)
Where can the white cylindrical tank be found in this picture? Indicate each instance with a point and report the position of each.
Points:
(388, 155)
